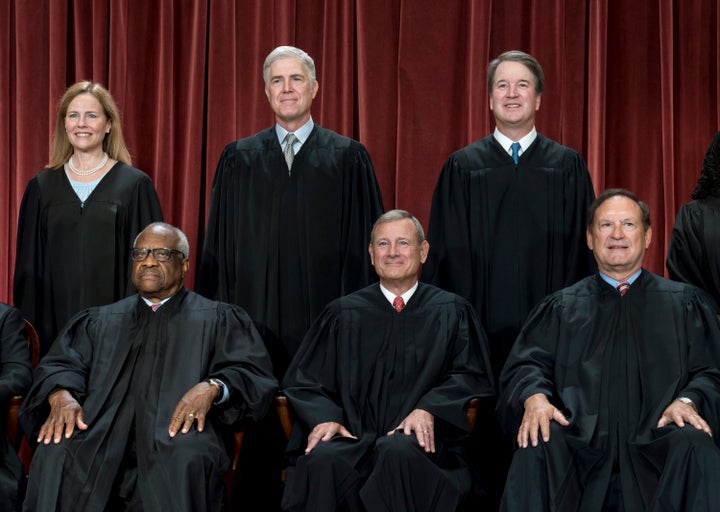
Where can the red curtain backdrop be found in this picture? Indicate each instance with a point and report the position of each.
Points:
(632, 85)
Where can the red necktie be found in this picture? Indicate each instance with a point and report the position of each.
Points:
(398, 304)
(155, 307)
(623, 287)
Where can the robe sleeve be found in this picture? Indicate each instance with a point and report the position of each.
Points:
(686, 249)
(702, 339)
(242, 363)
(362, 205)
(469, 374)
(310, 383)
(30, 255)
(449, 262)
(213, 280)
(580, 260)
(16, 371)
(65, 366)
(530, 367)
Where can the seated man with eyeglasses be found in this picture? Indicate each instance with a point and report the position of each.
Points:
(132, 401)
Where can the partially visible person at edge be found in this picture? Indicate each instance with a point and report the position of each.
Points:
(290, 210)
(380, 386)
(612, 390)
(79, 216)
(15, 379)
(507, 225)
(132, 402)
(694, 249)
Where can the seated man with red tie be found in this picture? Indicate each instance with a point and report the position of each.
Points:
(612, 389)
(379, 387)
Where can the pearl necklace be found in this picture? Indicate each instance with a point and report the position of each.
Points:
(89, 171)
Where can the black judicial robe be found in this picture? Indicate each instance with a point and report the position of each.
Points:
(128, 367)
(15, 379)
(71, 255)
(612, 365)
(504, 236)
(694, 250)
(284, 245)
(367, 367)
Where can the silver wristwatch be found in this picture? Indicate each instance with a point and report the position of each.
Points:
(218, 384)
(687, 401)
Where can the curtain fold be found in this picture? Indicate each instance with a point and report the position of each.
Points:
(631, 85)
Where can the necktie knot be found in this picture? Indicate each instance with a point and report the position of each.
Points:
(155, 307)
(289, 151)
(623, 287)
(515, 148)
(398, 304)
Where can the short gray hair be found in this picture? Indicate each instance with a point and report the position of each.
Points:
(394, 215)
(181, 243)
(289, 52)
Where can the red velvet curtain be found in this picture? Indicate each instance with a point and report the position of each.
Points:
(631, 85)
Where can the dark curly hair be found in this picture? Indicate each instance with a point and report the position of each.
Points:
(708, 184)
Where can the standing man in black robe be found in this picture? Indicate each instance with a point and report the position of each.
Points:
(507, 229)
(612, 390)
(379, 387)
(286, 234)
(131, 404)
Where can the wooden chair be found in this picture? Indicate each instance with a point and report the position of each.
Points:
(13, 432)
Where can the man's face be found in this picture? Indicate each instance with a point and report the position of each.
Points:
(618, 238)
(513, 99)
(154, 279)
(396, 254)
(290, 92)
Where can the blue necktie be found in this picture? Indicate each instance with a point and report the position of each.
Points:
(515, 148)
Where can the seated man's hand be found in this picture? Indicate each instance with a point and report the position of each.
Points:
(65, 414)
(680, 413)
(538, 414)
(193, 406)
(422, 423)
(325, 432)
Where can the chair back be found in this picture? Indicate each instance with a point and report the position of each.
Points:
(13, 432)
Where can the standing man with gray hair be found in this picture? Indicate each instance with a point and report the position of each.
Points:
(290, 211)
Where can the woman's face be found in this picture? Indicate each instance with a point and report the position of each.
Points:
(86, 123)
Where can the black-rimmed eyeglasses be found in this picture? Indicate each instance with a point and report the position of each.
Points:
(160, 254)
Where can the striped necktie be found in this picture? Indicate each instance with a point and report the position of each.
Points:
(398, 304)
(623, 287)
